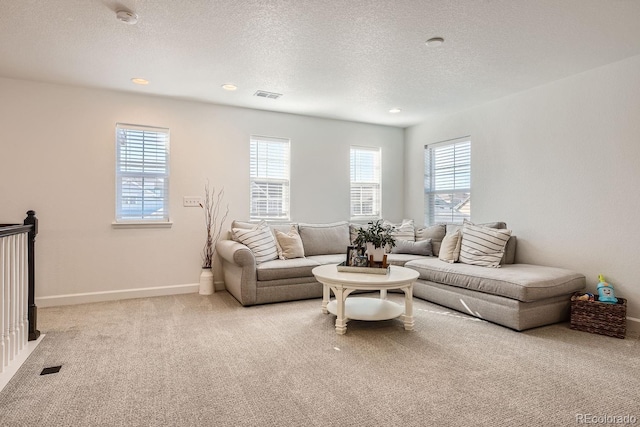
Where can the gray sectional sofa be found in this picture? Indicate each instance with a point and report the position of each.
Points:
(518, 296)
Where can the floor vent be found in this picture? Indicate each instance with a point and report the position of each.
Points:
(265, 94)
(51, 370)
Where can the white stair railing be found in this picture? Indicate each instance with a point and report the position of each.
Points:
(17, 289)
(14, 296)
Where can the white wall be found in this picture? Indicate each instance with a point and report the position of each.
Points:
(560, 164)
(57, 157)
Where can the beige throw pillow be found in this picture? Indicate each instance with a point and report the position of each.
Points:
(450, 247)
(289, 244)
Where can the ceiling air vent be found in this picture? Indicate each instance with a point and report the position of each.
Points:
(265, 94)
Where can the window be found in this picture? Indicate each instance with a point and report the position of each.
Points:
(142, 174)
(447, 181)
(269, 177)
(365, 182)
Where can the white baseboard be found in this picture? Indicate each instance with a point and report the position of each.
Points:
(633, 326)
(88, 297)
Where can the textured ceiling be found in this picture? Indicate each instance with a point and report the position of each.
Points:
(345, 59)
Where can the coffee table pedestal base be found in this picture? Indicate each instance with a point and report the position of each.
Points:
(368, 309)
(342, 284)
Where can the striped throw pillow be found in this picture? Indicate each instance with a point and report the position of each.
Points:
(403, 231)
(259, 240)
(482, 245)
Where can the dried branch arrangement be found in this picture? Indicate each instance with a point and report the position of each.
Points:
(212, 221)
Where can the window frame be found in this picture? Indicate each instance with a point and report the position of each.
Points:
(143, 221)
(458, 175)
(376, 184)
(270, 177)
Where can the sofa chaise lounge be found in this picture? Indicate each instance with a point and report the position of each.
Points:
(518, 296)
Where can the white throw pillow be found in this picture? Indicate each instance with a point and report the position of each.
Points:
(483, 245)
(259, 240)
(450, 247)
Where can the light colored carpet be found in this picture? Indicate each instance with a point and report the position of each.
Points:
(191, 360)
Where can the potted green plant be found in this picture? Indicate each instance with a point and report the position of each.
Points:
(376, 238)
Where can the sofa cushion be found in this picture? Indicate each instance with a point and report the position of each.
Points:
(483, 246)
(329, 259)
(259, 240)
(518, 315)
(524, 282)
(353, 232)
(497, 224)
(422, 247)
(285, 269)
(401, 259)
(322, 239)
(285, 227)
(289, 244)
(435, 232)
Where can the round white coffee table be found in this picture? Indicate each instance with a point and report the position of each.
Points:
(344, 283)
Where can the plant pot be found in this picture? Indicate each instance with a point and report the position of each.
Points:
(378, 253)
(206, 282)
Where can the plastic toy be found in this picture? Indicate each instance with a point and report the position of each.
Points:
(585, 297)
(605, 292)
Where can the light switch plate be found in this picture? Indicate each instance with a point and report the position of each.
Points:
(191, 201)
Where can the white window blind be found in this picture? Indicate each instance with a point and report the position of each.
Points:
(447, 181)
(142, 173)
(365, 182)
(269, 176)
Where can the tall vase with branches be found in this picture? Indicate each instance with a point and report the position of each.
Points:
(213, 222)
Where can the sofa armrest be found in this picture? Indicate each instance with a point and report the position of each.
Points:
(236, 253)
(238, 270)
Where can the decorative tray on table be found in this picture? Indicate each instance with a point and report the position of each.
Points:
(373, 270)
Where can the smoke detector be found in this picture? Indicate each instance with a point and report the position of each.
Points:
(126, 17)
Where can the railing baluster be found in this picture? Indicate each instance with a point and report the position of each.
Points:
(6, 305)
(12, 297)
(24, 293)
(4, 361)
(19, 291)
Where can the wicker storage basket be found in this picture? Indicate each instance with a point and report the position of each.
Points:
(599, 318)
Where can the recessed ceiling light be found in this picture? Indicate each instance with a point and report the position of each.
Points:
(126, 17)
(395, 110)
(140, 81)
(435, 41)
(229, 86)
